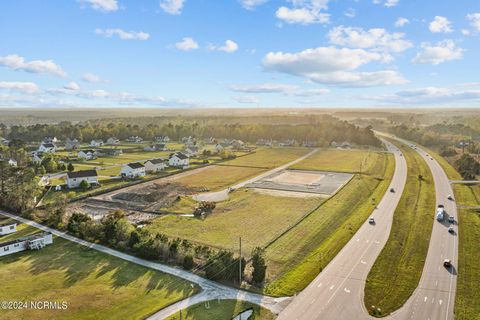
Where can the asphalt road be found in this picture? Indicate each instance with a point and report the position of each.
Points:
(338, 291)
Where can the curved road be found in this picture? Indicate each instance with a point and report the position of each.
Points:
(338, 292)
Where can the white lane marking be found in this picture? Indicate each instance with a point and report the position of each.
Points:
(433, 300)
(441, 301)
(436, 282)
(358, 239)
(346, 290)
(319, 285)
(312, 301)
(363, 262)
(425, 299)
(367, 241)
(331, 287)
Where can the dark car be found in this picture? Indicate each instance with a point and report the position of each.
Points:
(447, 263)
(451, 230)
(392, 190)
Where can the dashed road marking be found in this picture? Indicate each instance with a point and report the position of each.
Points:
(363, 262)
(440, 301)
(331, 287)
(425, 299)
(346, 290)
(319, 285)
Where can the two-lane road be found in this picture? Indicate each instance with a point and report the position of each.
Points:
(337, 292)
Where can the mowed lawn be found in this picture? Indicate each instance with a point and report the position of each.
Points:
(296, 258)
(222, 310)
(256, 217)
(398, 268)
(94, 285)
(219, 177)
(352, 161)
(268, 157)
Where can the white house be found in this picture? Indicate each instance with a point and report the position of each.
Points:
(75, 178)
(133, 170)
(155, 165)
(96, 143)
(9, 161)
(7, 228)
(50, 140)
(113, 141)
(219, 148)
(191, 151)
(238, 144)
(36, 159)
(34, 242)
(135, 139)
(47, 147)
(72, 144)
(179, 160)
(86, 155)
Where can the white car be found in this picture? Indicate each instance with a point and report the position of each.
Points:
(451, 219)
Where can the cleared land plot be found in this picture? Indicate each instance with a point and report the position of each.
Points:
(223, 309)
(257, 218)
(268, 158)
(353, 161)
(398, 268)
(296, 258)
(318, 182)
(95, 285)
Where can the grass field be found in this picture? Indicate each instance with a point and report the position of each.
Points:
(94, 285)
(353, 161)
(222, 310)
(467, 298)
(219, 177)
(256, 217)
(398, 268)
(295, 259)
(268, 158)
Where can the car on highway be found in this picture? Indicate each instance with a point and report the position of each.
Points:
(447, 263)
(449, 197)
(371, 220)
(451, 219)
(392, 190)
(451, 230)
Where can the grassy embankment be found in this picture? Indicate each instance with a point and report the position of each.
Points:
(296, 258)
(467, 298)
(398, 268)
(94, 285)
(222, 310)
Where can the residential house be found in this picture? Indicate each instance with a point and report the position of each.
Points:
(155, 165)
(135, 139)
(179, 160)
(287, 143)
(238, 144)
(334, 144)
(72, 144)
(219, 148)
(96, 143)
(161, 147)
(7, 228)
(164, 139)
(50, 140)
(191, 151)
(133, 170)
(33, 242)
(76, 177)
(109, 152)
(47, 148)
(36, 158)
(9, 161)
(346, 145)
(4, 141)
(149, 148)
(86, 155)
(113, 141)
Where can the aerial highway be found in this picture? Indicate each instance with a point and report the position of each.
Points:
(338, 291)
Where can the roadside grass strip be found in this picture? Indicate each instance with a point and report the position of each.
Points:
(93, 285)
(397, 270)
(222, 309)
(297, 257)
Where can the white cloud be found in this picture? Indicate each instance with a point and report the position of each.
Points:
(440, 25)
(90, 77)
(247, 99)
(229, 46)
(391, 3)
(474, 19)
(330, 65)
(401, 22)
(124, 35)
(251, 4)
(16, 62)
(102, 5)
(350, 13)
(73, 86)
(172, 6)
(287, 89)
(465, 32)
(429, 95)
(186, 44)
(438, 53)
(304, 12)
(25, 87)
(377, 39)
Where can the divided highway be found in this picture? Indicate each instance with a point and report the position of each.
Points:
(338, 291)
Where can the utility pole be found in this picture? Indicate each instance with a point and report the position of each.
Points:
(240, 264)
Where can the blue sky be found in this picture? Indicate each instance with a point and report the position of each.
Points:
(239, 53)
